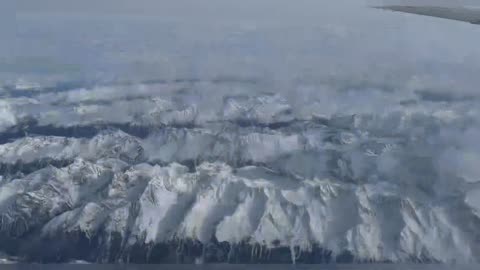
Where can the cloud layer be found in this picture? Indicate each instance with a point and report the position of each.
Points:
(302, 126)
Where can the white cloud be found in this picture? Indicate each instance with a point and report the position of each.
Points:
(333, 94)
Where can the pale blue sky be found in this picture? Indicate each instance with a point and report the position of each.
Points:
(278, 39)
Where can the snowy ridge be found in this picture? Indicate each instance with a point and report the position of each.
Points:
(147, 204)
(253, 177)
(237, 131)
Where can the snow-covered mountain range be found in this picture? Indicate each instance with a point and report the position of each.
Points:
(268, 131)
(196, 174)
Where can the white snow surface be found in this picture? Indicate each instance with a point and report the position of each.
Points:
(290, 125)
(384, 201)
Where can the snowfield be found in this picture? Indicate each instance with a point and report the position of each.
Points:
(315, 134)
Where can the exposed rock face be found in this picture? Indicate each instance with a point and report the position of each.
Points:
(271, 131)
(244, 178)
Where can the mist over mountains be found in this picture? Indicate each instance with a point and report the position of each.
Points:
(239, 133)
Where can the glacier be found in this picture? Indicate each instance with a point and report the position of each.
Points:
(284, 133)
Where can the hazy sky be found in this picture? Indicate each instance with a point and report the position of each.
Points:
(156, 6)
(67, 39)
